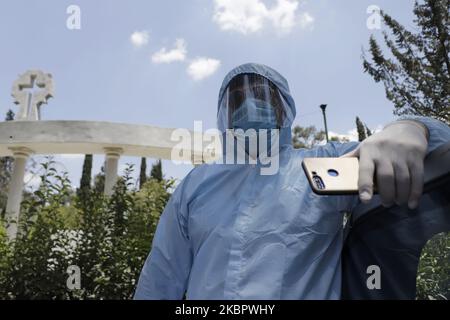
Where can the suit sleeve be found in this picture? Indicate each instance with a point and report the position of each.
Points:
(438, 132)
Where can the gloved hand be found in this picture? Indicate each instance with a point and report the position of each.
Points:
(396, 156)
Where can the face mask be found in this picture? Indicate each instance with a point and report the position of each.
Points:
(259, 148)
(254, 114)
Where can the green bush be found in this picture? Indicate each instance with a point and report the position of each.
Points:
(108, 238)
(433, 276)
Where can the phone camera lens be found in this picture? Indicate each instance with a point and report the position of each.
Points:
(333, 173)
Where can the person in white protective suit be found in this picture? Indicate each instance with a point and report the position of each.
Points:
(230, 232)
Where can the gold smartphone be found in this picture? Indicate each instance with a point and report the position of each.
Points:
(332, 176)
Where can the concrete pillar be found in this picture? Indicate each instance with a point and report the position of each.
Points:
(112, 164)
(15, 190)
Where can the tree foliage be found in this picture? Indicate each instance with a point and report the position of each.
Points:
(433, 276)
(143, 172)
(416, 75)
(362, 129)
(85, 181)
(108, 238)
(156, 172)
(309, 137)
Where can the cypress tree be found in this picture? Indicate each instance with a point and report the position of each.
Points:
(156, 172)
(361, 130)
(85, 181)
(143, 172)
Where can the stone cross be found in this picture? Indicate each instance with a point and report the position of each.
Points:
(30, 101)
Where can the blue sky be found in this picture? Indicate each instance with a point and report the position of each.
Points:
(162, 62)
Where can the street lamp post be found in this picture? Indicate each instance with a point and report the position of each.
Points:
(323, 107)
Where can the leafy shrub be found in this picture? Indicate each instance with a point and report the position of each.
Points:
(108, 238)
(433, 276)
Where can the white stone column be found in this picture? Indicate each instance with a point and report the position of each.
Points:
(16, 190)
(112, 164)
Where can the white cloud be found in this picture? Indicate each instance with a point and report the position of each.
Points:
(201, 68)
(283, 15)
(352, 135)
(139, 38)
(245, 16)
(305, 20)
(248, 16)
(178, 53)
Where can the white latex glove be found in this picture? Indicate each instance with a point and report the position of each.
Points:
(396, 156)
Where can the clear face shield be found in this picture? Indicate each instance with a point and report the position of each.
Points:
(252, 101)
